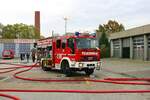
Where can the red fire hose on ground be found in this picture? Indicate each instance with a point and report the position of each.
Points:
(11, 69)
(106, 80)
(9, 96)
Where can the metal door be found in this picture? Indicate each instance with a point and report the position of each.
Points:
(149, 47)
(9, 46)
(24, 48)
(126, 48)
(138, 47)
(116, 48)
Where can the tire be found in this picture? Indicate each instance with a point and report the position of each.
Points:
(65, 68)
(44, 64)
(89, 71)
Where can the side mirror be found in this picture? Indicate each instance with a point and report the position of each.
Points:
(97, 48)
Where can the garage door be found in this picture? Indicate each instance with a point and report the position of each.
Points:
(138, 47)
(149, 47)
(8, 46)
(24, 47)
(126, 48)
(116, 48)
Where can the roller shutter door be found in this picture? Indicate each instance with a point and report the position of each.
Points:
(138, 47)
(149, 47)
(116, 48)
(126, 48)
(9, 46)
(24, 48)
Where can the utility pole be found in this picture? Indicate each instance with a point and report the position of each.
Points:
(52, 33)
(66, 19)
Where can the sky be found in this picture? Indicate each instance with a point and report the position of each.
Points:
(83, 15)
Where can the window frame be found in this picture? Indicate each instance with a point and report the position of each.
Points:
(58, 47)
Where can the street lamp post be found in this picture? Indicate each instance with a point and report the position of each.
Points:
(52, 33)
(65, 18)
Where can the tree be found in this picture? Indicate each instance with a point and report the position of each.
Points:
(113, 26)
(110, 27)
(103, 33)
(8, 32)
(1, 28)
(103, 40)
(42, 37)
(19, 31)
(104, 46)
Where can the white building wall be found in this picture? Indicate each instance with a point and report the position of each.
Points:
(16, 41)
(17, 50)
(1, 49)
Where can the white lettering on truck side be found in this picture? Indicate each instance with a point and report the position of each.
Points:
(89, 53)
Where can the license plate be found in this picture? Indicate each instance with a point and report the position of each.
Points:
(90, 65)
(90, 58)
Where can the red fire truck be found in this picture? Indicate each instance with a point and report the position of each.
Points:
(69, 53)
(8, 54)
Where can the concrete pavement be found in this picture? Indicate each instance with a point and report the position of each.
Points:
(111, 68)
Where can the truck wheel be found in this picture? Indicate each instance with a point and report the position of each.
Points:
(89, 71)
(44, 66)
(65, 68)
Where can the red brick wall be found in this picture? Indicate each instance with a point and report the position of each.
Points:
(37, 23)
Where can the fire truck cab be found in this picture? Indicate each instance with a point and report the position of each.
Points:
(69, 53)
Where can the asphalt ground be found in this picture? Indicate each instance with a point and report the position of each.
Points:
(110, 68)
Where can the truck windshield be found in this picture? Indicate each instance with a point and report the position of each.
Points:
(84, 43)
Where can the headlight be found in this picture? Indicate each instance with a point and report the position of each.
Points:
(98, 64)
(80, 64)
(73, 63)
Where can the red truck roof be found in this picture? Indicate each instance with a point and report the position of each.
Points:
(48, 41)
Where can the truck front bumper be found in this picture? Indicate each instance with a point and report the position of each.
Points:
(91, 65)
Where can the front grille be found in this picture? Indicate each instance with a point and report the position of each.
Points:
(88, 58)
(90, 65)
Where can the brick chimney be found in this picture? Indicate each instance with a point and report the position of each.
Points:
(37, 23)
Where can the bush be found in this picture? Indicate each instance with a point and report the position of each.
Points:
(104, 46)
(105, 52)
